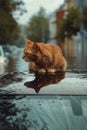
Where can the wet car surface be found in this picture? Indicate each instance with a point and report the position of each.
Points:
(29, 83)
(31, 101)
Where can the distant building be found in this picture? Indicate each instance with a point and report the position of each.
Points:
(61, 13)
(71, 3)
(75, 3)
(65, 8)
(59, 16)
(83, 2)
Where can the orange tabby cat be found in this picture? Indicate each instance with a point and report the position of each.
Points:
(44, 57)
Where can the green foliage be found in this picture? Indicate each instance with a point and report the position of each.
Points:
(9, 29)
(38, 27)
(70, 25)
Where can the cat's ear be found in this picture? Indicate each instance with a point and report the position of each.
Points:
(36, 47)
(27, 41)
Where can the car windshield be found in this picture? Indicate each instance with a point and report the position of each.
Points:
(43, 112)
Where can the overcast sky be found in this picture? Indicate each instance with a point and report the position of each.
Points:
(33, 7)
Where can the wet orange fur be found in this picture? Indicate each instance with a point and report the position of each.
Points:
(44, 57)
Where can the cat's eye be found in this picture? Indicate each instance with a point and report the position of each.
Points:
(32, 48)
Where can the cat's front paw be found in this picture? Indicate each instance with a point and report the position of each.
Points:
(41, 71)
(51, 70)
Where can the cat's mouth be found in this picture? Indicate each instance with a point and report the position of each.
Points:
(27, 60)
(30, 58)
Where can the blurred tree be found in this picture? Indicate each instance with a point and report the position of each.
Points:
(38, 27)
(85, 17)
(9, 29)
(69, 25)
